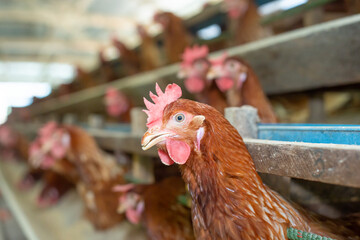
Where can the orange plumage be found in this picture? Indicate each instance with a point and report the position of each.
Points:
(97, 176)
(229, 199)
(161, 214)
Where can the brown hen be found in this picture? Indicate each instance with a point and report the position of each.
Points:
(194, 69)
(80, 160)
(229, 199)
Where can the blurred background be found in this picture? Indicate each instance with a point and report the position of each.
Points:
(49, 47)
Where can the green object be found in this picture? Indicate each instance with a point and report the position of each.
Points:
(184, 200)
(130, 179)
(295, 234)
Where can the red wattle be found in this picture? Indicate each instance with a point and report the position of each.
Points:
(224, 83)
(133, 216)
(179, 151)
(194, 84)
(164, 157)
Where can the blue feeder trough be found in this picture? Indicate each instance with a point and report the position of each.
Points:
(311, 133)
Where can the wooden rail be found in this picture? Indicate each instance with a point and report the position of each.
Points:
(327, 163)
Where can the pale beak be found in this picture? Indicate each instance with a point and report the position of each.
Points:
(181, 74)
(123, 207)
(211, 74)
(151, 138)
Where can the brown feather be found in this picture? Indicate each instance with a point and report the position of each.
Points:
(164, 217)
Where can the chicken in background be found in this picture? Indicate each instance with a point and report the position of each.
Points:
(239, 82)
(73, 153)
(129, 58)
(244, 21)
(117, 104)
(229, 199)
(106, 71)
(53, 188)
(175, 35)
(84, 78)
(194, 69)
(157, 208)
(150, 57)
(55, 185)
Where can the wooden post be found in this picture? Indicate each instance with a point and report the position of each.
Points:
(96, 121)
(52, 117)
(317, 109)
(69, 119)
(142, 167)
(244, 119)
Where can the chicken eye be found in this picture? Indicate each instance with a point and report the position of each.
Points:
(180, 117)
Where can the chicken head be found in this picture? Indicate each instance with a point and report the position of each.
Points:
(175, 133)
(51, 144)
(116, 102)
(228, 72)
(194, 68)
(130, 203)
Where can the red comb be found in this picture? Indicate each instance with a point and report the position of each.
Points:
(155, 110)
(194, 53)
(220, 60)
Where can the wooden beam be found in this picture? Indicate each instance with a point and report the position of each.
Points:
(327, 163)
